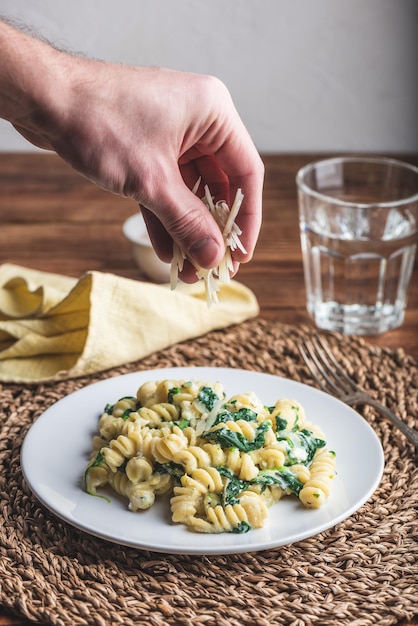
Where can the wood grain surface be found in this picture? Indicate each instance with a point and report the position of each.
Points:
(53, 219)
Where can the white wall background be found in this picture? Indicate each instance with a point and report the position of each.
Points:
(305, 75)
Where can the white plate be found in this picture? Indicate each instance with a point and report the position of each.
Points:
(57, 448)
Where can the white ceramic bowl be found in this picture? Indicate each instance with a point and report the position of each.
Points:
(135, 230)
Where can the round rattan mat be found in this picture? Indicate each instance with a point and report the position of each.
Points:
(363, 571)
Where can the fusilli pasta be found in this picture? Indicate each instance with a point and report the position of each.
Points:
(224, 461)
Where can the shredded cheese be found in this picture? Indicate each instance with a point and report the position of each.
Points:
(225, 218)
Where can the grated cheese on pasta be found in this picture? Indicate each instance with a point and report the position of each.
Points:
(225, 218)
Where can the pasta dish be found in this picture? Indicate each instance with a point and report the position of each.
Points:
(223, 461)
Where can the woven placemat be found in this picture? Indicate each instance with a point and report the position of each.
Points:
(363, 571)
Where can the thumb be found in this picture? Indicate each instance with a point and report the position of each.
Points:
(179, 215)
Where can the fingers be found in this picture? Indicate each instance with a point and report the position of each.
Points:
(182, 216)
(243, 169)
(249, 216)
(231, 162)
(206, 168)
(163, 244)
(242, 164)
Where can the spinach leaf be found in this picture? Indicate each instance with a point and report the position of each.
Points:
(182, 424)
(208, 397)
(230, 439)
(174, 469)
(302, 445)
(281, 423)
(99, 460)
(243, 527)
(232, 416)
(127, 413)
(172, 392)
(234, 486)
(295, 425)
(312, 443)
(280, 476)
(109, 407)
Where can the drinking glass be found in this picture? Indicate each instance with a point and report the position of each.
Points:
(359, 233)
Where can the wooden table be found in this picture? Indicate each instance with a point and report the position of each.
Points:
(52, 219)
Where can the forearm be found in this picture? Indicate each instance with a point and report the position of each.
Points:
(29, 75)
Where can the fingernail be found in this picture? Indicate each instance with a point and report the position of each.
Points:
(205, 252)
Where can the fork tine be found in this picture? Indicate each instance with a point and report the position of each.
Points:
(325, 369)
(351, 384)
(303, 349)
(318, 366)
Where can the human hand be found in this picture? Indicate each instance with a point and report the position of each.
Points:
(149, 134)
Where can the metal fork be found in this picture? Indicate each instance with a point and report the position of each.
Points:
(333, 379)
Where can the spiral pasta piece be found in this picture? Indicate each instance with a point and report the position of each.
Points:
(269, 457)
(302, 472)
(291, 411)
(184, 503)
(128, 403)
(97, 443)
(95, 477)
(122, 448)
(140, 495)
(156, 414)
(250, 512)
(203, 480)
(244, 428)
(191, 436)
(138, 469)
(255, 508)
(192, 457)
(215, 452)
(317, 488)
(247, 401)
(165, 448)
(147, 395)
(220, 519)
(185, 391)
(110, 426)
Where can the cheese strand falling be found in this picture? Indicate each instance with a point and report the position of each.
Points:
(225, 218)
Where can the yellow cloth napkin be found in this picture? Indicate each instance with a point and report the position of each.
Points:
(55, 327)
